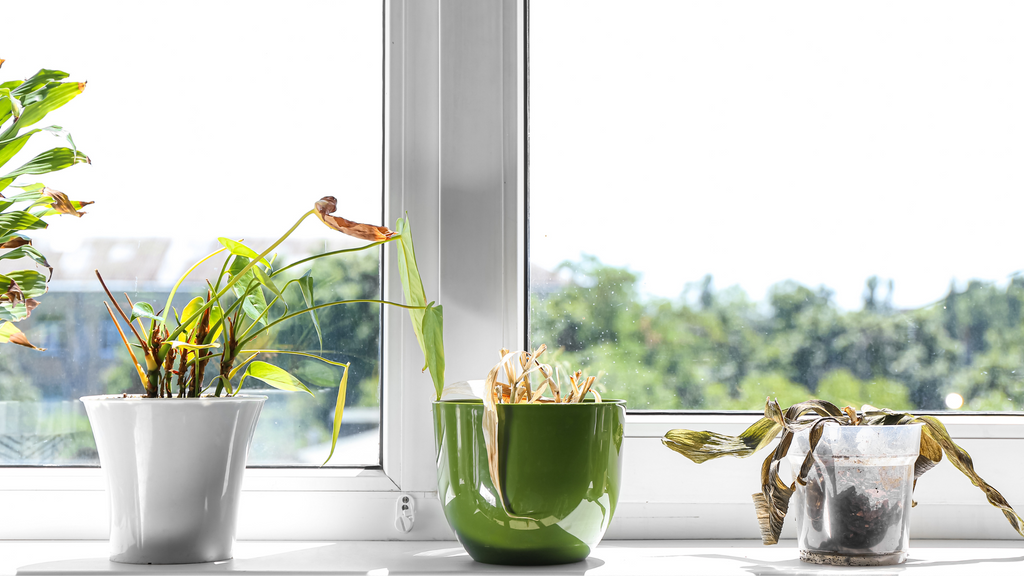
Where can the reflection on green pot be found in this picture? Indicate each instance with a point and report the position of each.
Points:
(559, 466)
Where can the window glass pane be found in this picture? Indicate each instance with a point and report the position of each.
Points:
(730, 201)
(202, 119)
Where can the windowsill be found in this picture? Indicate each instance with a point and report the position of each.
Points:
(706, 557)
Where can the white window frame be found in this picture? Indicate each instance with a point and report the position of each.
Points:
(450, 84)
(455, 163)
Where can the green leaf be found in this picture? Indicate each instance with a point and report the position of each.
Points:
(40, 104)
(412, 285)
(276, 377)
(30, 193)
(10, 103)
(19, 220)
(215, 316)
(32, 283)
(29, 251)
(306, 287)
(46, 162)
(339, 408)
(38, 80)
(262, 277)
(143, 310)
(11, 147)
(433, 340)
(239, 249)
(255, 302)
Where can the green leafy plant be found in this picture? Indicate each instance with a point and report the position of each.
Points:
(772, 501)
(23, 104)
(245, 301)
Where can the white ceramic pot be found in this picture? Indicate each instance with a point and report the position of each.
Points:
(174, 471)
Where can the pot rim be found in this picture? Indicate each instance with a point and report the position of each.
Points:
(120, 398)
(587, 402)
(851, 427)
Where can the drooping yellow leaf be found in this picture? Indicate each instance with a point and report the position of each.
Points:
(339, 410)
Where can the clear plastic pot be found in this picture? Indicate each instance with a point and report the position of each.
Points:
(855, 508)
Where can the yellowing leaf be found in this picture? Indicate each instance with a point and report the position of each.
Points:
(239, 249)
(433, 345)
(277, 377)
(339, 409)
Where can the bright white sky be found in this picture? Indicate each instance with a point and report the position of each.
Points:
(758, 141)
(209, 119)
(823, 142)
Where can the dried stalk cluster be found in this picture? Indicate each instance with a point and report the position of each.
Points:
(517, 388)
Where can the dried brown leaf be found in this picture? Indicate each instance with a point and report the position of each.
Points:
(328, 204)
(9, 333)
(538, 394)
(61, 202)
(16, 241)
(30, 305)
(13, 294)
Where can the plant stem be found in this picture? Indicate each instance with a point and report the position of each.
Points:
(231, 283)
(315, 256)
(145, 348)
(245, 341)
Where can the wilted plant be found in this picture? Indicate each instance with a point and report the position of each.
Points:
(223, 325)
(24, 103)
(517, 368)
(772, 502)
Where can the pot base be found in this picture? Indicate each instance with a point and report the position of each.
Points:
(836, 559)
(122, 559)
(530, 557)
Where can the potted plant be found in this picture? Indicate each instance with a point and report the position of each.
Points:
(24, 104)
(174, 457)
(528, 478)
(854, 476)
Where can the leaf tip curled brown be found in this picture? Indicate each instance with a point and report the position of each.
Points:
(328, 204)
(61, 203)
(10, 334)
(21, 340)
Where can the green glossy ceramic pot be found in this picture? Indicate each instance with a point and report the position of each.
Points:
(559, 467)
